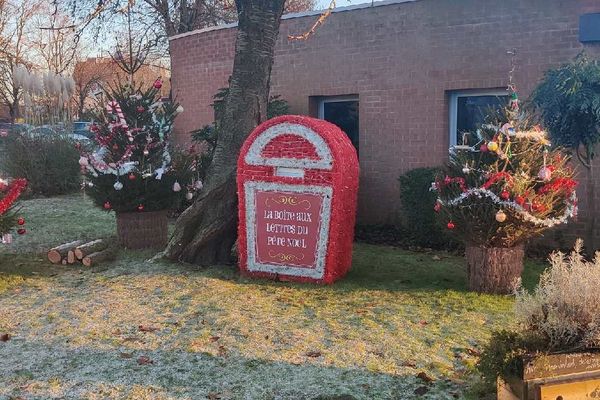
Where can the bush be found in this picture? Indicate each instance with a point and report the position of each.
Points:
(561, 315)
(48, 162)
(418, 216)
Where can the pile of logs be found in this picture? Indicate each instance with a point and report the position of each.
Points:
(87, 253)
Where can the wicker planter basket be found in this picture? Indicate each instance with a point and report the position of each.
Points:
(142, 230)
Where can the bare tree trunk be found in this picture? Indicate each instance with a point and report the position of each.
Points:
(206, 231)
(494, 269)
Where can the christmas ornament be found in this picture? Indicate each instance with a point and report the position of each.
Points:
(115, 146)
(21, 231)
(437, 207)
(118, 185)
(132, 176)
(157, 84)
(450, 225)
(483, 148)
(545, 174)
(179, 109)
(107, 205)
(21, 221)
(500, 216)
(146, 152)
(176, 187)
(504, 195)
(140, 109)
(492, 146)
(198, 185)
(7, 238)
(140, 207)
(83, 161)
(466, 170)
(189, 195)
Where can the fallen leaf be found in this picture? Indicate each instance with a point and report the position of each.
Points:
(222, 351)
(4, 337)
(410, 364)
(421, 390)
(143, 328)
(313, 354)
(214, 396)
(424, 377)
(436, 258)
(144, 360)
(423, 322)
(473, 352)
(214, 338)
(126, 355)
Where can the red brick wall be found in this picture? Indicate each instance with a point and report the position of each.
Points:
(401, 59)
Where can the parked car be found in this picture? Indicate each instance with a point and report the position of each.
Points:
(82, 128)
(7, 128)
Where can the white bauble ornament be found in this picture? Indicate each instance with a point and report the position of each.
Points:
(146, 152)
(176, 187)
(83, 161)
(118, 185)
(189, 196)
(466, 170)
(545, 174)
(7, 238)
(179, 109)
(500, 216)
(198, 185)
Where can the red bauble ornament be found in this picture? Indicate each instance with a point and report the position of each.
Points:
(21, 221)
(107, 205)
(140, 207)
(505, 195)
(437, 207)
(22, 231)
(520, 200)
(450, 225)
(140, 109)
(132, 177)
(483, 148)
(115, 146)
(157, 84)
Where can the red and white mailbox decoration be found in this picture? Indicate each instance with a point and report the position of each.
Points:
(297, 187)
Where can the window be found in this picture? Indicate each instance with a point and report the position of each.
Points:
(468, 109)
(343, 112)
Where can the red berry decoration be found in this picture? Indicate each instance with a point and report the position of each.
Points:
(450, 225)
(157, 84)
(140, 109)
(21, 231)
(21, 221)
(483, 148)
(437, 207)
(505, 195)
(132, 177)
(107, 205)
(520, 200)
(140, 207)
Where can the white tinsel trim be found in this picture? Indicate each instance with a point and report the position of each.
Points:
(325, 161)
(548, 222)
(250, 189)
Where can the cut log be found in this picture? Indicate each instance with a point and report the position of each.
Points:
(71, 257)
(90, 247)
(494, 269)
(56, 254)
(99, 256)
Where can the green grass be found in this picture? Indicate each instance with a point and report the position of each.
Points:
(75, 330)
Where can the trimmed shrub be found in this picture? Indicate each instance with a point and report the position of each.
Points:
(417, 202)
(48, 162)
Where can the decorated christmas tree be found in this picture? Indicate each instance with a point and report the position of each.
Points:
(132, 169)
(504, 184)
(9, 219)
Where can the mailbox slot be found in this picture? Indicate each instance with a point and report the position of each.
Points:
(289, 172)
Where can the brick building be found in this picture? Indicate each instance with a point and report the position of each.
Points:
(400, 76)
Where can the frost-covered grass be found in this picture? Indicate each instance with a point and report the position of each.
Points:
(209, 333)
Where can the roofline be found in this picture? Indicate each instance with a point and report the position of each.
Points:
(297, 15)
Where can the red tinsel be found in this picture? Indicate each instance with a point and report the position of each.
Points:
(495, 177)
(14, 191)
(559, 184)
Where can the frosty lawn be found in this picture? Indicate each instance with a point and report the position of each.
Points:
(156, 330)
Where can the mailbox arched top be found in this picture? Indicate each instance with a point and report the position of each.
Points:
(323, 159)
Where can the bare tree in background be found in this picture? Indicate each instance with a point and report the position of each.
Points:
(16, 18)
